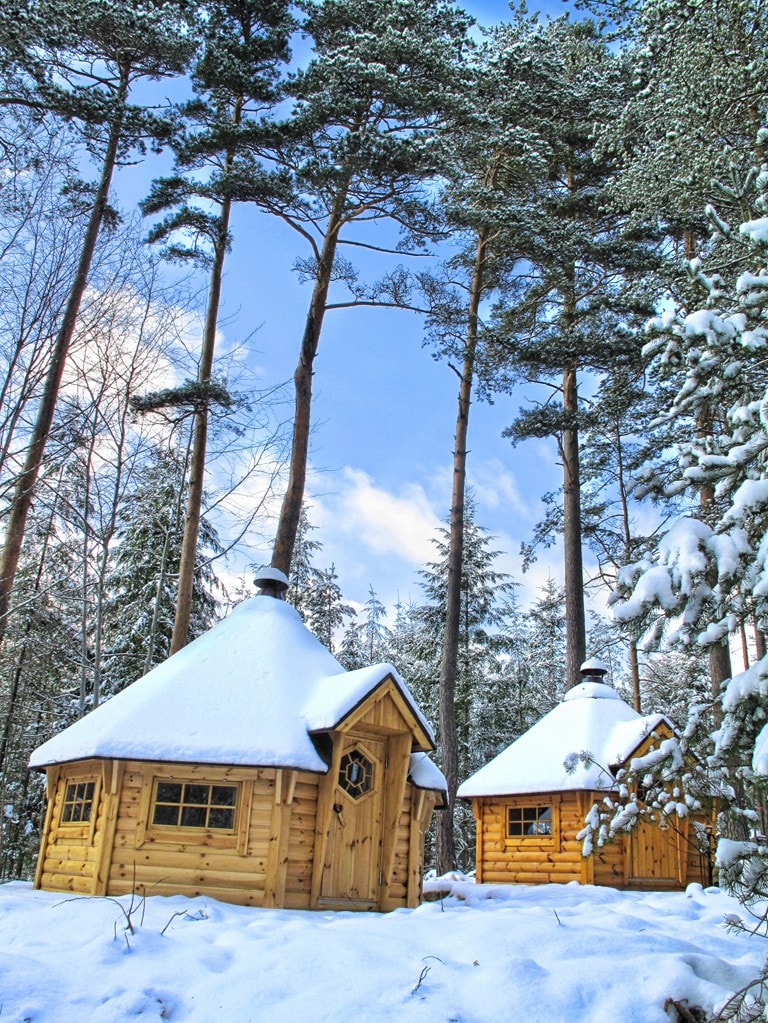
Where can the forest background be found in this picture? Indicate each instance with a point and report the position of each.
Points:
(539, 217)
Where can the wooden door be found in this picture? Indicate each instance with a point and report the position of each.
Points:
(655, 856)
(352, 862)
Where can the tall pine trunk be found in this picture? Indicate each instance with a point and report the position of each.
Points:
(290, 510)
(719, 654)
(575, 622)
(196, 482)
(194, 510)
(446, 845)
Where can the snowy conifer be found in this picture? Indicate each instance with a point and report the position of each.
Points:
(362, 142)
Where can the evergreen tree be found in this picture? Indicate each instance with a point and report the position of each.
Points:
(141, 584)
(38, 674)
(688, 132)
(360, 145)
(708, 572)
(235, 80)
(482, 204)
(351, 653)
(324, 608)
(483, 612)
(302, 569)
(575, 307)
(374, 631)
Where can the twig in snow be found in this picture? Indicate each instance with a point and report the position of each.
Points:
(424, 971)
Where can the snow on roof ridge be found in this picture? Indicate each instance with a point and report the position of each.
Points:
(591, 691)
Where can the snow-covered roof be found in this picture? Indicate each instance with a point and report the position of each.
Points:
(247, 692)
(425, 774)
(592, 718)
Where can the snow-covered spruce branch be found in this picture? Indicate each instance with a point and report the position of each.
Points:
(664, 786)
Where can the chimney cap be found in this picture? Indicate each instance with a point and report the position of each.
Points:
(271, 581)
(594, 667)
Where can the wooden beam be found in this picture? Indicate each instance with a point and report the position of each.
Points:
(323, 820)
(279, 839)
(112, 779)
(415, 864)
(51, 782)
(395, 779)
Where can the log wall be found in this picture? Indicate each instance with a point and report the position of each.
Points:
(558, 859)
(268, 861)
(531, 860)
(69, 852)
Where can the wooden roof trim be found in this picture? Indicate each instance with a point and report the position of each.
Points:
(387, 685)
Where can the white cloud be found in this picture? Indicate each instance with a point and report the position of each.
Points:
(496, 487)
(365, 514)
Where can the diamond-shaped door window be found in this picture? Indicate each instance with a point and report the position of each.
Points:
(355, 773)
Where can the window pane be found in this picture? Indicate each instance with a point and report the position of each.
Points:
(218, 818)
(529, 821)
(223, 795)
(166, 815)
(77, 807)
(193, 816)
(195, 805)
(167, 792)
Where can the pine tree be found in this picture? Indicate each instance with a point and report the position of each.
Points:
(235, 81)
(482, 612)
(576, 310)
(302, 569)
(351, 652)
(141, 584)
(361, 144)
(486, 189)
(688, 133)
(709, 570)
(546, 632)
(374, 630)
(38, 671)
(324, 608)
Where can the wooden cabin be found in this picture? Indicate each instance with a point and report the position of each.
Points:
(529, 808)
(251, 767)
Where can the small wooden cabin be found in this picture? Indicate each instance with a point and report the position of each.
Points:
(529, 808)
(251, 767)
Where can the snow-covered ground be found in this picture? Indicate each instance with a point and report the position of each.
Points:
(486, 953)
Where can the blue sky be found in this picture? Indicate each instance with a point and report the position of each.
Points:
(384, 414)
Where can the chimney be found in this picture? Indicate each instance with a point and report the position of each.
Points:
(593, 671)
(271, 582)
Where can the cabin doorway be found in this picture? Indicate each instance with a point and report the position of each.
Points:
(656, 852)
(352, 865)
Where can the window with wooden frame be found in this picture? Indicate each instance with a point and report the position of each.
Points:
(535, 821)
(79, 808)
(77, 805)
(212, 810)
(178, 804)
